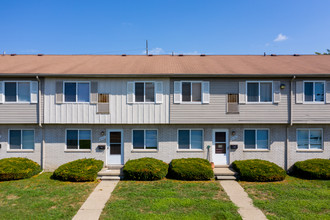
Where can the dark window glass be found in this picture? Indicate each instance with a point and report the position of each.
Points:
(319, 92)
(220, 136)
(28, 139)
(309, 91)
(83, 92)
(72, 139)
(115, 149)
(266, 92)
(252, 92)
(115, 137)
(196, 139)
(249, 139)
(262, 139)
(138, 139)
(24, 92)
(139, 92)
(70, 92)
(10, 91)
(84, 139)
(150, 92)
(186, 91)
(196, 92)
(151, 139)
(15, 139)
(184, 139)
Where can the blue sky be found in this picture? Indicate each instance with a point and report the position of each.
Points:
(180, 26)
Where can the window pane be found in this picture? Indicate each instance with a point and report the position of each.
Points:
(150, 92)
(72, 139)
(220, 136)
(266, 92)
(151, 139)
(249, 139)
(139, 92)
(319, 91)
(252, 92)
(10, 92)
(184, 138)
(84, 139)
(115, 137)
(308, 91)
(15, 139)
(83, 92)
(70, 92)
(197, 139)
(196, 92)
(24, 92)
(262, 139)
(315, 139)
(115, 149)
(302, 139)
(138, 139)
(28, 140)
(186, 91)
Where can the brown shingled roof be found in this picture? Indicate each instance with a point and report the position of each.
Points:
(164, 65)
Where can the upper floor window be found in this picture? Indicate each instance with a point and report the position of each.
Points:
(76, 91)
(190, 139)
(309, 139)
(145, 139)
(314, 91)
(144, 92)
(78, 139)
(256, 139)
(21, 139)
(17, 92)
(191, 91)
(259, 91)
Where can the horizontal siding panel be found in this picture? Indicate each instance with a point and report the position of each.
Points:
(18, 113)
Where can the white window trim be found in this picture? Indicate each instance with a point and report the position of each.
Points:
(144, 141)
(89, 91)
(144, 92)
(21, 150)
(309, 147)
(75, 150)
(324, 92)
(192, 102)
(190, 129)
(256, 139)
(16, 102)
(259, 102)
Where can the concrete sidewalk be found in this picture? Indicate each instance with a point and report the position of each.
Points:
(240, 198)
(93, 206)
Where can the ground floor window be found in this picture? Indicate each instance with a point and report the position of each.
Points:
(190, 139)
(145, 139)
(21, 139)
(256, 139)
(78, 139)
(309, 139)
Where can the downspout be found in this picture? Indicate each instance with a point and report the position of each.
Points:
(289, 125)
(42, 153)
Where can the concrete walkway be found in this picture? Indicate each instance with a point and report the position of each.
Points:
(93, 206)
(240, 198)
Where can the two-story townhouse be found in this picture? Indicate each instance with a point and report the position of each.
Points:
(59, 108)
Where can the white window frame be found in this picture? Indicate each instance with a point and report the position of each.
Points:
(258, 102)
(324, 92)
(144, 92)
(191, 101)
(190, 129)
(309, 131)
(256, 139)
(16, 102)
(76, 82)
(77, 129)
(144, 140)
(34, 144)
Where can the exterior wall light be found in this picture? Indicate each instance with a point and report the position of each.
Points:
(282, 86)
(102, 133)
(233, 133)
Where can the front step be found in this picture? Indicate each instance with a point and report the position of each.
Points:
(112, 173)
(225, 177)
(221, 166)
(224, 173)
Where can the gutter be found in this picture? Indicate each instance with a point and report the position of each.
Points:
(42, 147)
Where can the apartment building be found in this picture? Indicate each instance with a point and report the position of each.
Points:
(59, 108)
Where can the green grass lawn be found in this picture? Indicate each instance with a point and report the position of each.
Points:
(42, 198)
(169, 199)
(292, 198)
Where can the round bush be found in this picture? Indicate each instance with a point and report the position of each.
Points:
(145, 169)
(79, 170)
(190, 169)
(18, 168)
(258, 170)
(312, 169)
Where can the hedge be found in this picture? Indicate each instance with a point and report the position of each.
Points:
(190, 169)
(145, 169)
(312, 169)
(18, 168)
(81, 170)
(258, 170)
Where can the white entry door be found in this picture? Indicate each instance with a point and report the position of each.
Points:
(220, 147)
(115, 144)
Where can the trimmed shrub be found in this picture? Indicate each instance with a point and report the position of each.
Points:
(16, 168)
(145, 169)
(81, 170)
(312, 169)
(258, 170)
(190, 169)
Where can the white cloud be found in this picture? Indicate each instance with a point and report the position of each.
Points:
(155, 51)
(280, 37)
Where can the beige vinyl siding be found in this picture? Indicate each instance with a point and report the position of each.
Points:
(120, 111)
(215, 112)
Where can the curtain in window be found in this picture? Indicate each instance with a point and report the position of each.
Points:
(253, 92)
(196, 92)
(84, 139)
(315, 139)
(150, 92)
(319, 91)
(266, 92)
